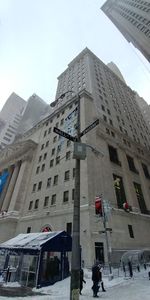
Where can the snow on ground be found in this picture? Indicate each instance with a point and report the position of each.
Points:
(120, 288)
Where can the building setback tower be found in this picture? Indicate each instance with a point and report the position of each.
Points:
(132, 18)
(10, 117)
(39, 192)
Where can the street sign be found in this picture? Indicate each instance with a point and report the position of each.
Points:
(91, 126)
(65, 134)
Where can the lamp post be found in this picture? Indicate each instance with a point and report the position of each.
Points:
(75, 260)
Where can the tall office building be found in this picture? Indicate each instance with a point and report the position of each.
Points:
(40, 187)
(132, 18)
(10, 117)
(145, 108)
(112, 66)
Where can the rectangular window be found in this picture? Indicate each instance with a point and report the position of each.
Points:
(73, 194)
(39, 185)
(43, 168)
(48, 182)
(37, 170)
(131, 164)
(131, 231)
(53, 200)
(113, 155)
(66, 196)
(68, 143)
(45, 155)
(62, 122)
(69, 228)
(36, 205)
(58, 148)
(46, 200)
(30, 205)
(55, 180)
(140, 198)
(146, 172)
(68, 155)
(73, 172)
(40, 158)
(49, 130)
(34, 187)
(51, 163)
(28, 229)
(119, 189)
(42, 147)
(47, 143)
(57, 160)
(54, 139)
(45, 132)
(53, 151)
(66, 176)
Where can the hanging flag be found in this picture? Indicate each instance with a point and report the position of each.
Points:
(3, 179)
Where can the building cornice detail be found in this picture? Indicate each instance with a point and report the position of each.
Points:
(17, 151)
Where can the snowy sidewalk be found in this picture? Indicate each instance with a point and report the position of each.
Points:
(119, 288)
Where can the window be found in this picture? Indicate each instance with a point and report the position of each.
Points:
(57, 124)
(39, 185)
(49, 130)
(37, 170)
(57, 160)
(42, 147)
(51, 163)
(68, 143)
(55, 180)
(73, 194)
(53, 200)
(62, 122)
(66, 196)
(40, 158)
(34, 187)
(140, 198)
(73, 172)
(146, 172)
(48, 182)
(131, 164)
(67, 174)
(69, 228)
(30, 205)
(119, 189)
(53, 151)
(58, 148)
(36, 204)
(43, 168)
(45, 155)
(28, 229)
(47, 143)
(113, 155)
(68, 154)
(54, 139)
(45, 133)
(46, 200)
(131, 231)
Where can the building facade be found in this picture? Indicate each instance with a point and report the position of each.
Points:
(39, 190)
(132, 18)
(145, 108)
(10, 117)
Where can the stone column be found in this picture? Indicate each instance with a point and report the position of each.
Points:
(17, 187)
(4, 191)
(11, 187)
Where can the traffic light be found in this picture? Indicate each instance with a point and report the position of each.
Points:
(98, 206)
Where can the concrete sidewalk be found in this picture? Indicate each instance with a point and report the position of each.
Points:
(17, 291)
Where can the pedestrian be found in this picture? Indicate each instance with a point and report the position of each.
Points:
(81, 280)
(96, 276)
(101, 281)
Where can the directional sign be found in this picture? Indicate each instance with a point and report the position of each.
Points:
(95, 123)
(65, 134)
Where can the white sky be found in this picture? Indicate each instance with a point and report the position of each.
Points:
(38, 38)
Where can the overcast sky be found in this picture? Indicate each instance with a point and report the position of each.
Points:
(38, 38)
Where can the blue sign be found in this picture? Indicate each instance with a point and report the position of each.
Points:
(3, 179)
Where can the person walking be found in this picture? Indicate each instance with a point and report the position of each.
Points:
(96, 276)
(81, 280)
(101, 281)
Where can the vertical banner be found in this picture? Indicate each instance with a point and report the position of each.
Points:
(3, 179)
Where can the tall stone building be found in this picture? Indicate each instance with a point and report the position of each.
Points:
(10, 117)
(132, 18)
(145, 108)
(39, 190)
